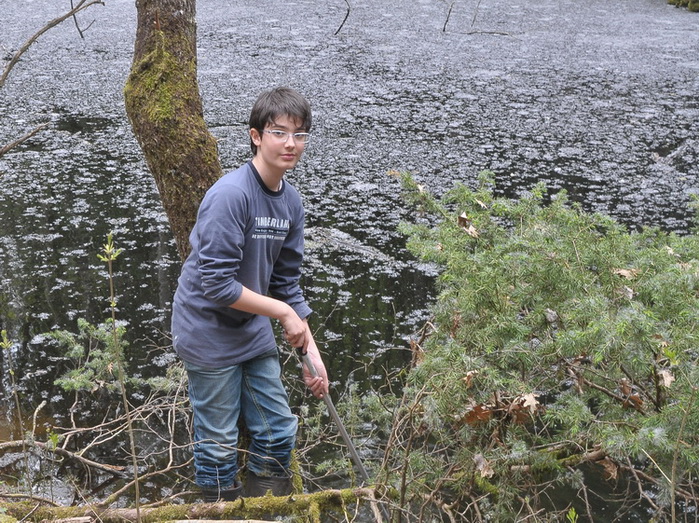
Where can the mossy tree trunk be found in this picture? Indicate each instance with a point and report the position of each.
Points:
(165, 109)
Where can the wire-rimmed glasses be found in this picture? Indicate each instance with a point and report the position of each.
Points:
(283, 136)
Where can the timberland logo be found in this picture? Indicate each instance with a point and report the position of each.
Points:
(268, 228)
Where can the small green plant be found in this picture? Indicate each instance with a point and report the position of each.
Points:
(98, 352)
(109, 255)
(94, 351)
(6, 346)
(53, 440)
(98, 382)
(572, 515)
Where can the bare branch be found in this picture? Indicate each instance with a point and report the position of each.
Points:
(23, 139)
(444, 27)
(81, 32)
(346, 17)
(82, 4)
(475, 13)
(112, 469)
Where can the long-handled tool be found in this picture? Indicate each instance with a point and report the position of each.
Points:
(336, 418)
(345, 436)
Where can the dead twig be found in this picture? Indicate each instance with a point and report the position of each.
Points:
(346, 17)
(625, 401)
(475, 13)
(81, 32)
(20, 141)
(63, 453)
(444, 27)
(82, 4)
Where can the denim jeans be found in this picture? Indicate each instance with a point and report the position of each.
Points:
(253, 390)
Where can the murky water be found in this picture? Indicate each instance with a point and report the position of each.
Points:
(597, 98)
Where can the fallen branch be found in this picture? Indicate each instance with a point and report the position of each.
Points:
(309, 505)
(23, 139)
(7, 445)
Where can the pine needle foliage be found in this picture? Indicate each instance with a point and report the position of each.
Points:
(561, 341)
(93, 352)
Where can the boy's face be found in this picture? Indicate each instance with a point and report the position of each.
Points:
(277, 152)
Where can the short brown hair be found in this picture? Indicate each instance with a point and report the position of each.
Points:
(281, 101)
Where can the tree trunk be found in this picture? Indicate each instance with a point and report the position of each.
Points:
(165, 109)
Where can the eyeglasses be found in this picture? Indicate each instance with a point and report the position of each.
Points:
(283, 136)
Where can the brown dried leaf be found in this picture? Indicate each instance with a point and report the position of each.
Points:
(478, 414)
(634, 401)
(530, 402)
(666, 378)
(625, 386)
(472, 232)
(463, 220)
(483, 466)
(466, 224)
(418, 353)
(468, 379)
(611, 469)
(629, 274)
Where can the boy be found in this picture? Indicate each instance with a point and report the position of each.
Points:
(244, 268)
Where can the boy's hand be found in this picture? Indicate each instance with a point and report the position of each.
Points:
(295, 330)
(318, 385)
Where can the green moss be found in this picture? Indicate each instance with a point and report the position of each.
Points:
(691, 5)
(160, 83)
(162, 94)
(297, 508)
(485, 486)
(314, 512)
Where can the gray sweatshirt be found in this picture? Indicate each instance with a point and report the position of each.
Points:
(245, 235)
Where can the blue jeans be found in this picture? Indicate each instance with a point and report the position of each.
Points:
(254, 390)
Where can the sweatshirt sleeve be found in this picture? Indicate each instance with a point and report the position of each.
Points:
(219, 239)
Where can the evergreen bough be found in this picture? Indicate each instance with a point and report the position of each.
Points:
(563, 348)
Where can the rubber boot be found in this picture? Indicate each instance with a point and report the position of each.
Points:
(256, 486)
(230, 494)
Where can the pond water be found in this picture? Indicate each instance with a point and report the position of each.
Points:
(594, 97)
